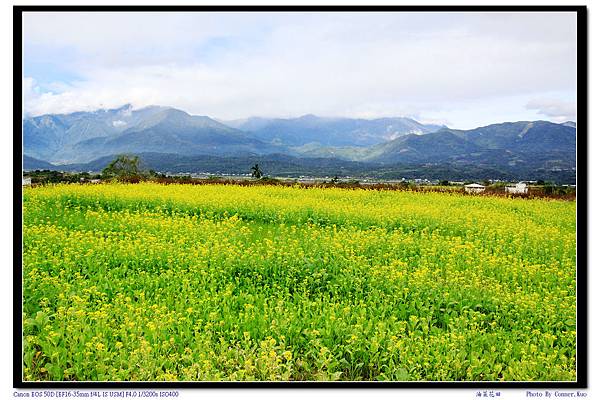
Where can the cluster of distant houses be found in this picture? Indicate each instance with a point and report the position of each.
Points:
(516, 188)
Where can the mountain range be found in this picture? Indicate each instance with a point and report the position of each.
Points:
(526, 147)
(336, 132)
(84, 136)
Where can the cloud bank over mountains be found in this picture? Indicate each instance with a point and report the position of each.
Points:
(466, 69)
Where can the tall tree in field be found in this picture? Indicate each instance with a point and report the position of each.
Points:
(123, 167)
(256, 172)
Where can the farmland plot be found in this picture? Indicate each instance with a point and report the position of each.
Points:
(208, 283)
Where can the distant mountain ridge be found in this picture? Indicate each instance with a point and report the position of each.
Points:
(520, 140)
(83, 137)
(327, 131)
(30, 164)
(283, 165)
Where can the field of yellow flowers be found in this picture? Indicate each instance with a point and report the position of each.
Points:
(149, 282)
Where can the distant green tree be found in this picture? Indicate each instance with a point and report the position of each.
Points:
(256, 172)
(122, 167)
(549, 188)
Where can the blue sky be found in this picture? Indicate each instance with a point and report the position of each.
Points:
(461, 69)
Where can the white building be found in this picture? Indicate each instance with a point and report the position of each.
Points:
(474, 188)
(26, 181)
(519, 188)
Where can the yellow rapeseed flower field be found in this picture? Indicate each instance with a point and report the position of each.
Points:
(178, 282)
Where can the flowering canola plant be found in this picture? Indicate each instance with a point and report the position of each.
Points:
(150, 282)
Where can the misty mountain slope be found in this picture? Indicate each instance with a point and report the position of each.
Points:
(46, 135)
(543, 136)
(332, 132)
(30, 163)
(251, 124)
(315, 150)
(508, 143)
(171, 119)
(521, 136)
(82, 137)
(437, 146)
(42, 136)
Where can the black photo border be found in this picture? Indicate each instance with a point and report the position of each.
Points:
(582, 200)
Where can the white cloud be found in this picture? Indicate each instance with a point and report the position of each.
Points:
(558, 110)
(277, 64)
